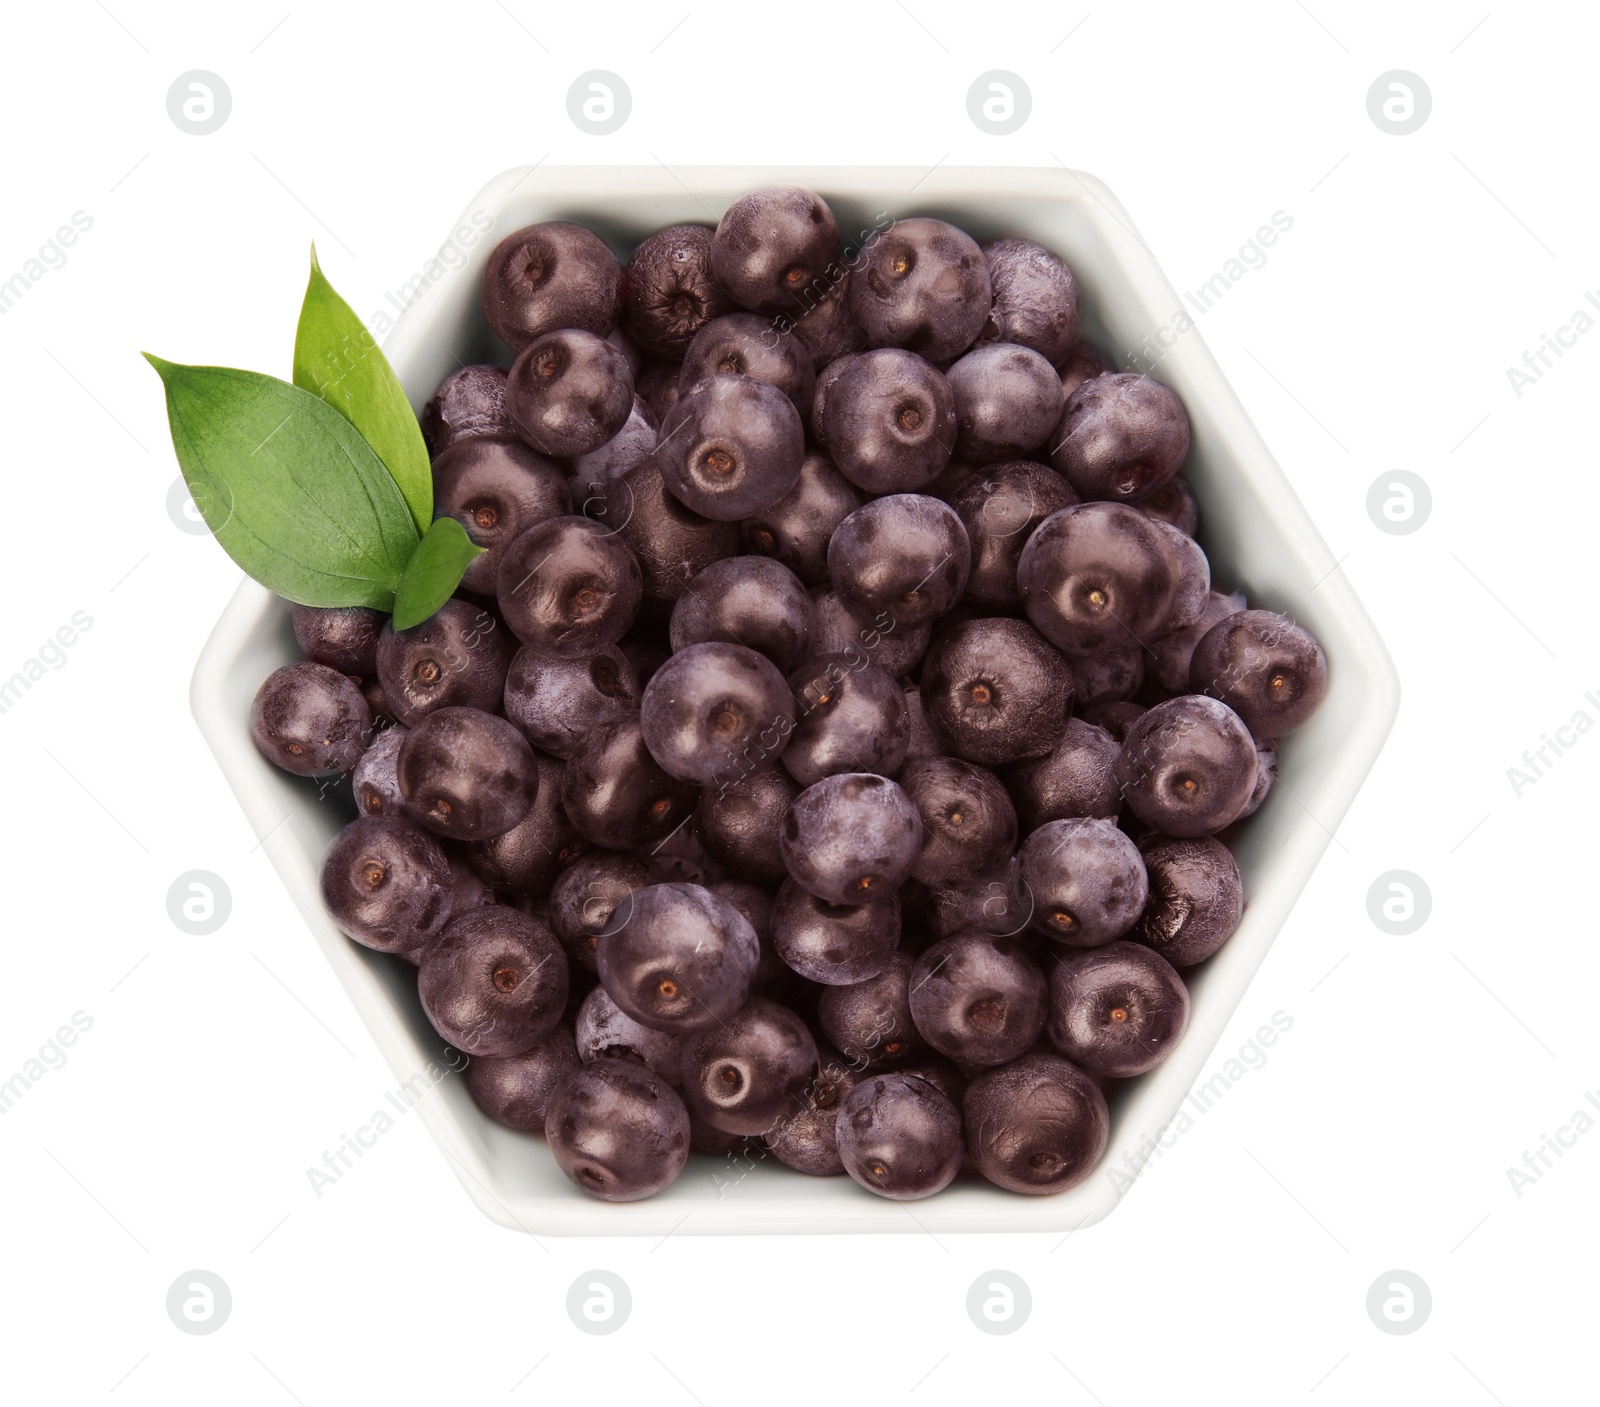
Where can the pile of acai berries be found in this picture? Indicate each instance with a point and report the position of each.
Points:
(825, 759)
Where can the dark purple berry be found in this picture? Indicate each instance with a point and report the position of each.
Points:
(455, 658)
(494, 982)
(466, 774)
(1196, 898)
(470, 401)
(922, 285)
(604, 1031)
(891, 645)
(1117, 1011)
(618, 1130)
(740, 825)
(899, 1136)
(549, 276)
(968, 822)
(669, 292)
(1035, 299)
(387, 884)
(1084, 362)
(715, 712)
(1086, 879)
(1036, 1126)
(634, 443)
(1121, 436)
(749, 1072)
(587, 892)
(1173, 651)
(310, 720)
(751, 601)
(995, 902)
(996, 691)
(617, 794)
(806, 1138)
(795, 530)
(1265, 667)
(772, 245)
(905, 557)
(567, 586)
(834, 944)
(1008, 399)
(870, 1022)
(825, 324)
(1077, 779)
(527, 858)
(495, 488)
(376, 787)
(672, 544)
(1173, 503)
(731, 447)
(677, 957)
(515, 1090)
(344, 638)
(889, 421)
(557, 701)
(569, 392)
(745, 344)
(851, 837)
(1107, 676)
(979, 999)
(1000, 508)
(849, 717)
(1188, 766)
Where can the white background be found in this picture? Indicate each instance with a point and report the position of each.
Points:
(1377, 337)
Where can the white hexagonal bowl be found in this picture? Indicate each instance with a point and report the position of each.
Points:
(1255, 530)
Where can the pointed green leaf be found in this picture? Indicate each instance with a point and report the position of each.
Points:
(433, 573)
(335, 357)
(292, 492)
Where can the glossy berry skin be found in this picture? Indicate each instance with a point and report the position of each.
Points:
(751, 601)
(749, 1072)
(827, 376)
(1266, 775)
(494, 982)
(992, 902)
(567, 586)
(1172, 652)
(889, 421)
(587, 893)
(376, 787)
(978, 999)
(796, 529)
(657, 386)
(671, 544)
(669, 292)
(617, 1130)
(617, 794)
(834, 944)
(968, 822)
(740, 825)
(894, 647)
(904, 556)
(466, 774)
(387, 884)
(550, 276)
(996, 691)
(310, 720)
(1000, 508)
(1035, 299)
(849, 717)
(744, 344)
(1008, 399)
(806, 1138)
(730, 447)
(470, 401)
(899, 1136)
(455, 658)
(922, 285)
(1083, 363)
(1098, 576)
(1193, 589)
(870, 1022)
(1174, 503)
(1196, 898)
(1267, 669)
(1188, 766)
(1115, 718)
(1036, 1126)
(344, 638)
(924, 742)
(1121, 436)
(1077, 779)
(715, 712)
(1117, 1011)
(772, 245)
(850, 837)
(676, 957)
(1087, 881)
(555, 702)
(515, 1090)
(603, 1031)
(1108, 676)
(826, 323)
(495, 488)
(755, 903)
(527, 858)
(569, 392)
(634, 443)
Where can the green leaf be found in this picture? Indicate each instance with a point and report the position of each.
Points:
(433, 573)
(336, 358)
(290, 489)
